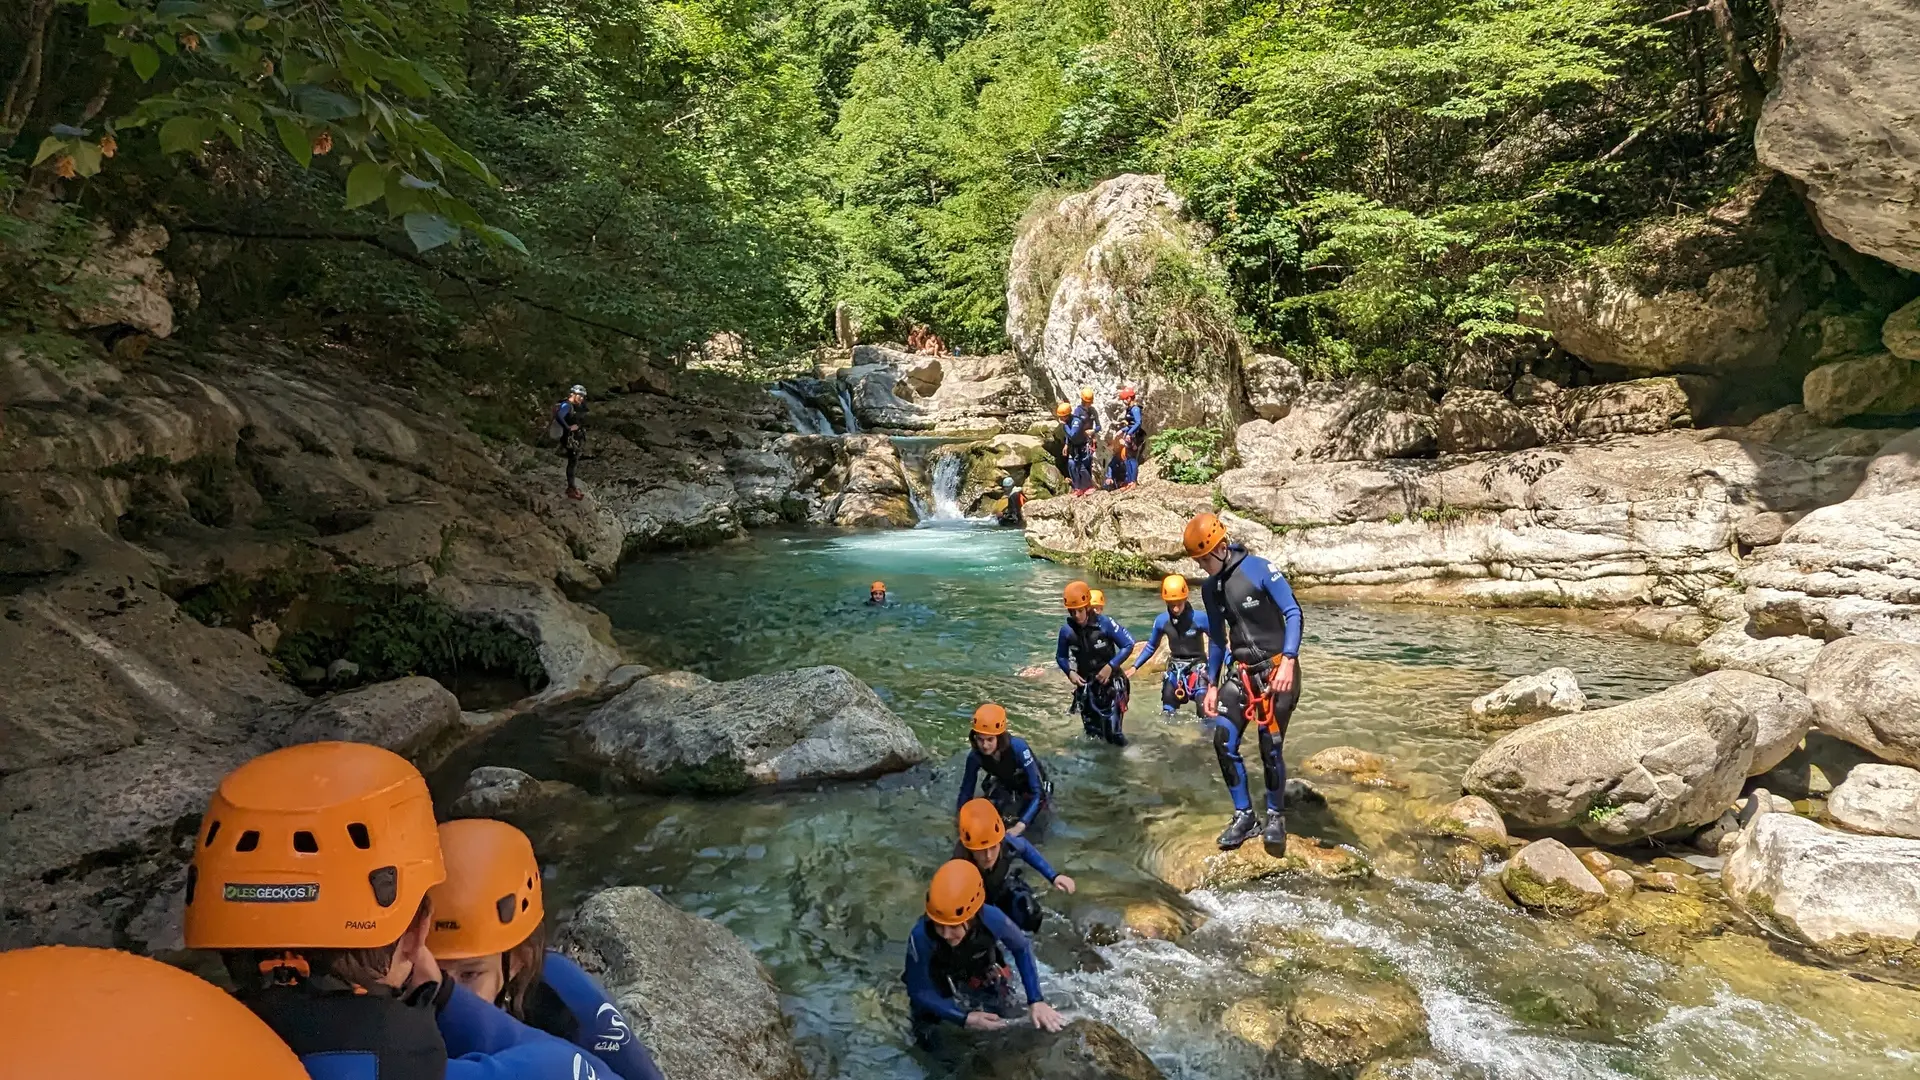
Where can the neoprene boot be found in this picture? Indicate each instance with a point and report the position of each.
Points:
(1240, 830)
(1275, 838)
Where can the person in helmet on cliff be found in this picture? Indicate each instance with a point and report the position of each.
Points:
(567, 431)
(1091, 651)
(1133, 437)
(1015, 514)
(310, 875)
(1186, 633)
(957, 972)
(82, 1012)
(985, 843)
(1253, 619)
(1118, 463)
(1015, 781)
(1083, 434)
(490, 935)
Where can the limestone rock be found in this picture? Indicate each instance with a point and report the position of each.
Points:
(1784, 658)
(1896, 468)
(1079, 276)
(1671, 761)
(1639, 407)
(1183, 854)
(1883, 800)
(1738, 321)
(1332, 423)
(412, 717)
(495, 791)
(1848, 569)
(1867, 692)
(1546, 876)
(130, 286)
(1273, 384)
(1839, 120)
(1873, 386)
(1340, 1020)
(693, 992)
(1476, 819)
(680, 732)
(1471, 420)
(1901, 332)
(1837, 890)
(1083, 1050)
(1552, 692)
(1346, 762)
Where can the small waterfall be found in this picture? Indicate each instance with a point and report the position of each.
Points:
(805, 419)
(846, 408)
(948, 471)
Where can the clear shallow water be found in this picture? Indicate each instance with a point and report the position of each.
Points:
(824, 885)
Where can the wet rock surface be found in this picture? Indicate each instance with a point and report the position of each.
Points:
(1841, 891)
(1545, 875)
(1552, 692)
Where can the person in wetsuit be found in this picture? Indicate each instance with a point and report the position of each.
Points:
(957, 953)
(309, 876)
(1015, 781)
(1015, 514)
(1091, 651)
(567, 418)
(1117, 462)
(490, 935)
(1133, 435)
(1186, 632)
(985, 843)
(1083, 433)
(1253, 617)
(877, 594)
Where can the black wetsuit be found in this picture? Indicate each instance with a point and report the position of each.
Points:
(1251, 609)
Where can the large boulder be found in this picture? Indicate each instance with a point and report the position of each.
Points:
(1738, 320)
(1550, 693)
(1872, 386)
(1901, 332)
(874, 490)
(1847, 569)
(1867, 692)
(413, 717)
(1085, 306)
(1840, 120)
(1883, 800)
(1665, 763)
(680, 732)
(1471, 421)
(1786, 658)
(1273, 385)
(692, 991)
(1083, 1050)
(1334, 423)
(1832, 889)
(1639, 407)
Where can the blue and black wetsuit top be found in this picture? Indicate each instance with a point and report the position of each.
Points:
(1082, 426)
(1013, 768)
(569, 1004)
(1186, 633)
(1087, 648)
(935, 968)
(1252, 610)
(1135, 426)
(1010, 848)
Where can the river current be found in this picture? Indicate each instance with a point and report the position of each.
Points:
(824, 885)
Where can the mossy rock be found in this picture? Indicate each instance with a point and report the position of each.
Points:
(1121, 565)
(1554, 897)
(718, 775)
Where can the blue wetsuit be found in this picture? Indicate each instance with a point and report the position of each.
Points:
(946, 982)
(1006, 889)
(484, 1043)
(1186, 676)
(1013, 774)
(1086, 650)
(1134, 430)
(1255, 616)
(596, 1023)
(1083, 429)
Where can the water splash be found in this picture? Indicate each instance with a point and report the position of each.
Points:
(948, 471)
(846, 409)
(806, 419)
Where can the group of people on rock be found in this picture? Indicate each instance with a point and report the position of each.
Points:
(1237, 660)
(366, 940)
(1082, 440)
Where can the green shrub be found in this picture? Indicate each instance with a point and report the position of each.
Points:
(1189, 455)
(1120, 565)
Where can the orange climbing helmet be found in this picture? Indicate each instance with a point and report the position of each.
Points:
(1062, 410)
(1126, 393)
(101, 1012)
(1076, 595)
(1086, 395)
(989, 719)
(1203, 533)
(1098, 599)
(957, 893)
(878, 586)
(491, 899)
(327, 845)
(1173, 587)
(980, 825)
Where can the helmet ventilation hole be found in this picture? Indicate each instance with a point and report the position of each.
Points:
(248, 840)
(386, 885)
(213, 830)
(193, 880)
(357, 832)
(504, 908)
(304, 842)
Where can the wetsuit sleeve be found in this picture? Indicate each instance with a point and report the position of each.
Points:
(603, 1028)
(1123, 644)
(1282, 594)
(1153, 642)
(1032, 768)
(484, 1043)
(919, 980)
(1216, 641)
(1134, 422)
(969, 778)
(1017, 947)
(1031, 855)
(1062, 651)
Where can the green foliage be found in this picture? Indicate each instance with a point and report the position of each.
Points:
(1439, 515)
(1189, 455)
(1120, 565)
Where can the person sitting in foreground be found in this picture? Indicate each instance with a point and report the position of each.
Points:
(956, 970)
(1016, 783)
(985, 843)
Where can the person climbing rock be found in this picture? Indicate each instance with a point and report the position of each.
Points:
(490, 935)
(1083, 433)
(1186, 633)
(877, 594)
(309, 876)
(567, 430)
(1133, 437)
(957, 953)
(1015, 781)
(1090, 651)
(1118, 464)
(81, 1012)
(985, 843)
(1015, 514)
(1253, 616)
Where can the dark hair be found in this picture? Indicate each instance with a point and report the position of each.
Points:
(522, 967)
(252, 969)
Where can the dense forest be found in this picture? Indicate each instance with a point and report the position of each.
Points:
(531, 190)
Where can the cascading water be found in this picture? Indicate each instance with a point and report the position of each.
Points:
(948, 471)
(846, 409)
(806, 419)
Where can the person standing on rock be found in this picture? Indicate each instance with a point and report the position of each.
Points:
(1091, 651)
(1015, 515)
(490, 936)
(985, 843)
(1187, 633)
(1133, 436)
(1083, 433)
(310, 877)
(1254, 617)
(956, 971)
(1015, 781)
(567, 430)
